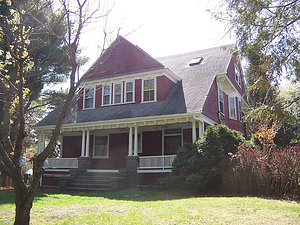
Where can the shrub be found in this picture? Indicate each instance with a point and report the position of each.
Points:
(265, 170)
(201, 166)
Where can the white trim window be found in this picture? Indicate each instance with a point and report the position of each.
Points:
(101, 147)
(89, 100)
(149, 90)
(118, 93)
(238, 77)
(240, 111)
(129, 91)
(106, 95)
(221, 101)
(232, 108)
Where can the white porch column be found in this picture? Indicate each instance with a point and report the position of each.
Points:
(43, 141)
(39, 143)
(83, 144)
(201, 128)
(194, 134)
(87, 146)
(130, 142)
(135, 141)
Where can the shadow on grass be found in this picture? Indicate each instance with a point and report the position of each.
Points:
(129, 194)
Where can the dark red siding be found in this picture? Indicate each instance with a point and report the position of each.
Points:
(152, 143)
(211, 105)
(98, 97)
(71, 147)
(80, 100)
(231, 75)
(187, 135)
(164, 86)
(118, 150)
(138, 91)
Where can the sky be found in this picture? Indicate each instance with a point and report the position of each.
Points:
(161, 27)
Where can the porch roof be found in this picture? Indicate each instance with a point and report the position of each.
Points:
(174, 104)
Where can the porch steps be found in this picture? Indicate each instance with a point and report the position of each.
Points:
(93, 181)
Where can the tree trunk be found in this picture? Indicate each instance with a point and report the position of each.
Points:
(23, 206)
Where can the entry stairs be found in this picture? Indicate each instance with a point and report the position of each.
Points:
(93, 181)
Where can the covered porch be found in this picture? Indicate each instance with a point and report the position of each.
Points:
(152, 142)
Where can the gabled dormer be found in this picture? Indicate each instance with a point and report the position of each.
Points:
(125, 74)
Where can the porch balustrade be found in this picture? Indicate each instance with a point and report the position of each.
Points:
(62, 163)
(156, 162)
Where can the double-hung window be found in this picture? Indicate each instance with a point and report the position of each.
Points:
(129, 97)
(89, 97)
(232, 108)
(238, 77)
(221, 101)
(117, 93)
(101, 147)
(106, 95)
(148, 90)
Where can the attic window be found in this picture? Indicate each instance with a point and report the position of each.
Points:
(196, 61)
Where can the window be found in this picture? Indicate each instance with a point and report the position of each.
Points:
(129, 92)
(106, 95)
(240, 111)
(88, 98)
(232, 108)
(238, 77)
(117, 93)
(101, 147)
(195, 61)
(221, 101)
(148, 90)
(172, 141)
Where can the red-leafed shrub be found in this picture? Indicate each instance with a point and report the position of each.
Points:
(265, 170)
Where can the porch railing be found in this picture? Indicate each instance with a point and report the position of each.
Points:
(62, 163)
(156, 162)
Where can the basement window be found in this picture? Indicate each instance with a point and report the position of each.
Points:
(196, 61)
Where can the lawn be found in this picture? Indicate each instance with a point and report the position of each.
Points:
(146, 207)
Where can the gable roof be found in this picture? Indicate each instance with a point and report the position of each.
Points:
(197, 79)
(122, 57)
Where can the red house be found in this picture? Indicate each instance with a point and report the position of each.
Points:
(133, 112)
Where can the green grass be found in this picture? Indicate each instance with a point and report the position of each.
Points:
(143, 207)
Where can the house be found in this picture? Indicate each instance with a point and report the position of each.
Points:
(133, 111)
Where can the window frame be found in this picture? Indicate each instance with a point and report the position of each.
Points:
(237, 75)
(221, 94)
(103, 86)
(172, 135)
(154, 89)
(107, 147)
(84, 97)
(133, 92)
(230, 108)
(240, 111)
(114, 94)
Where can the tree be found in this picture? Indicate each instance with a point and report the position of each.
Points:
(20, 22)
(267, 37)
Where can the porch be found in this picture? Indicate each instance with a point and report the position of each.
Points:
(145, 162)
